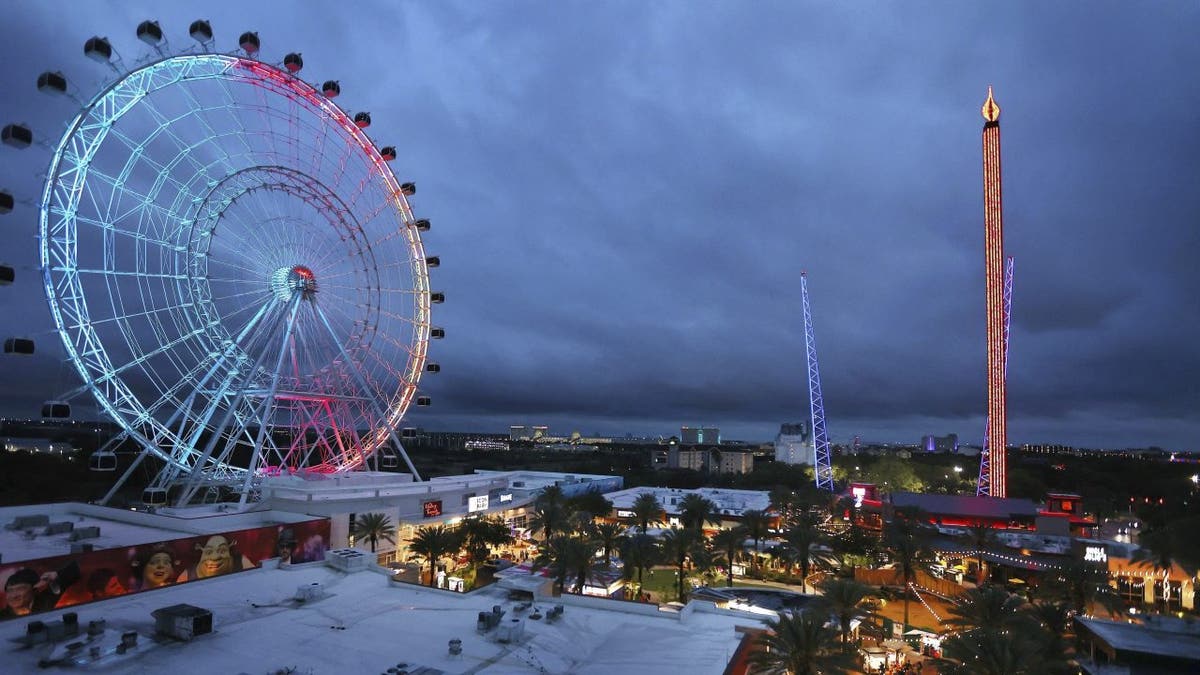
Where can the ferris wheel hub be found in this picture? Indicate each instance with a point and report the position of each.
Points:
(286, 282)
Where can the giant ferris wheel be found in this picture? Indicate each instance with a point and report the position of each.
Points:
(234, 270)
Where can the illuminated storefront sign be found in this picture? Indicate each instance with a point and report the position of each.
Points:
(432, 509)
(621, 513)
(507, 497)
(1095, 554)
(479, 503)
(860, 493)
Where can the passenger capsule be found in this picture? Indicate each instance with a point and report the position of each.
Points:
(433, 261)
(6, 202)
(16, 135)
(433, 368)
(388, 153)
(52, 83)
(201, 31)
(437, 298)
(59, 410)
(363, 120)
(149, 32)
(293, 63)
(154, 496)
(103, 460)
(408, 432)
(331, 89)
(18, 346)
(98, 49)
(409, 189)
(437, 333)
(422, 225)
(7, 275)
(424, 401)
(249, 42)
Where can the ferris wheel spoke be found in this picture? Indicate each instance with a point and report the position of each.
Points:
(234, 399)
(268, 403)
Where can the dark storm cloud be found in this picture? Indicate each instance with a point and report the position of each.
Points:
(624, 196)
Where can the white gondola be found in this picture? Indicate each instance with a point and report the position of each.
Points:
(103, 460)
(154, 496)
(57, 410)
(388, 458)
(18, 346)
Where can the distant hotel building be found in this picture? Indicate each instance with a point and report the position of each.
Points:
(794, 445)
(947, 443)
(524, 432)
(699, 435)
(710, 459)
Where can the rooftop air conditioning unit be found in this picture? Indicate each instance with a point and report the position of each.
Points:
(182, 622)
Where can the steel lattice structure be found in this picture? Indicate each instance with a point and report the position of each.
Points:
(993, 217)
(821, 453)
(983, 485)
(235, 272)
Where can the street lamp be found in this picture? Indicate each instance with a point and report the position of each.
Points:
(958, 469)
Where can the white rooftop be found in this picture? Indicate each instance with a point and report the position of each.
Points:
(729, 502)
(367, 624)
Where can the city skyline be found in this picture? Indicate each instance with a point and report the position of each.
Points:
(623, 198)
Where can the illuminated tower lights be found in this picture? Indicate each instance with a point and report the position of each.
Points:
(993, 214)
(822, 458)
(984, 484)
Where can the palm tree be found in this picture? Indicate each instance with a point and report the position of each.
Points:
(548, 518)
(373, 527)
(434, 543)
(581, 556)
(988, 607)
(989, 653)
(551, 495)
(608, 536)
(1000, 634)
(647, 509)
(844, 598)
(480, 534)
(557, 554)
(695, 511)
(785, 503)
(982, 537)
(730, 544)
(678, 545)
(756, 523)
(638, 552)
(1083, 585)
(797, 644)
(803, 538)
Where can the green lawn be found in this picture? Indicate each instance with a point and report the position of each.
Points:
(661, 583)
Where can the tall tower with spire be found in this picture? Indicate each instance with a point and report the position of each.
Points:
(993, 222)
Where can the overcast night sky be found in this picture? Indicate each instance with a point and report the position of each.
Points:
(623, 195)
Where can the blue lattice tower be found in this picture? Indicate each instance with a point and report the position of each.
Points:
(984, 485)
(821, 453)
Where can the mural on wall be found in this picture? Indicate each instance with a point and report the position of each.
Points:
(44, 584)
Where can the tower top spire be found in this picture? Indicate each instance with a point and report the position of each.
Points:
(991, 111)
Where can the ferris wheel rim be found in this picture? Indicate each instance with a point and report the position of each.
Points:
(105, 396)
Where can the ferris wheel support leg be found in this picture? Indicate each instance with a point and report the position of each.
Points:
(269, 401)
(196, 475)
(211, 409)
(362, 382)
